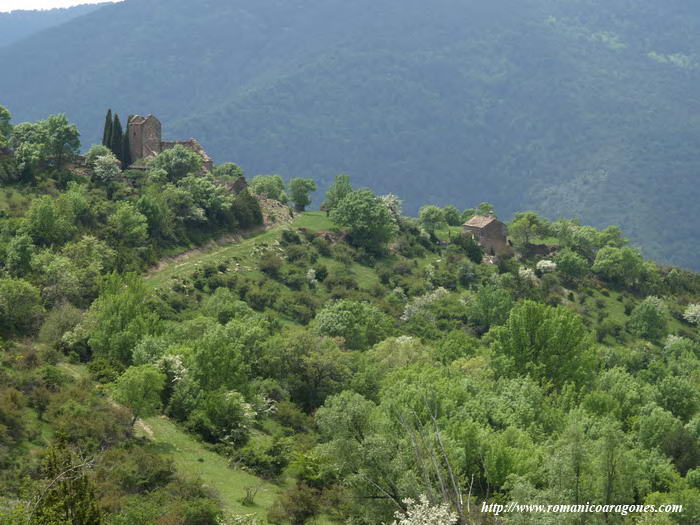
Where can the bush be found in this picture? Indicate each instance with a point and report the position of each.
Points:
(20, 306)
(223, 416)
(323, 246)
(321, 272)
(360, 324)
(202, 511)
(649, 319)
(266, 461)
(290, 237)
(297, 505)
(62, 319)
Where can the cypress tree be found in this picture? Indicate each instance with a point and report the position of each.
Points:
(126, 150)
(107, 134)
(117, 138)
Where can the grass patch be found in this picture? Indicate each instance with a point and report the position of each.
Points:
(313, 220)
(193, 459)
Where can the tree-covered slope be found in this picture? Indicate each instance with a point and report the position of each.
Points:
(330, 368)
(577, 108)
(16, 25)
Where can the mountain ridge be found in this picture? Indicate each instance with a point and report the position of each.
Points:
(568, 108)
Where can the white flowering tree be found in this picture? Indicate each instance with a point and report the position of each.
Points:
(692, 314)
(420, 303)
(546, 266)
(106, 168)
(424, 513)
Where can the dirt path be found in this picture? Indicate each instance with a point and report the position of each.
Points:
(210, 246)
(275, 215)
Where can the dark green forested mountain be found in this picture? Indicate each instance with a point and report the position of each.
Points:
(17, 25)
(583, 108)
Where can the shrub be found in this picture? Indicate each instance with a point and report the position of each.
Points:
(223, 416)
(649, 319)
(360, 324)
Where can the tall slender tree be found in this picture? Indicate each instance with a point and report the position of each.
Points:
(117, 137)
(107, 133)
(126, 150)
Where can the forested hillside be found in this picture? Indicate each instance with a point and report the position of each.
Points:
(568, 107)
(350, 366)
(16, 25)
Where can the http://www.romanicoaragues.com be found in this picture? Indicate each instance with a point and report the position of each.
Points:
(588, 508)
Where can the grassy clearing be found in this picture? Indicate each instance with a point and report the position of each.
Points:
(192, 459)
(313, 220)
(448, 232)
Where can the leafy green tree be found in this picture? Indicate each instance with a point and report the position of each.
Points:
(58, 278)
(247, 211)
(139, 389)
(310, 367)
(368, 219)
(228, 170)
(270, 186)
(431, 218)
(47, 223)
(571, 265)
(678, 396)
(176, 162)
(467, 214)
(616, 480)
(19, 255)
(452, 215)
(361, 325)
(649, 319)
(63, 139)
(128, 226)
(97, 150)
(337, 191)
(219, 354)
(20, 306)
(29, 140)
(485, 209)
(550, 344)
(91, 258)
(300, 192)
(211, 198)
(622, 266)
(223, 416)
(66, 494)
(5, 127)
(154, 204)
(525, 226)
(119, 318)
(108, 128)
(490, 306)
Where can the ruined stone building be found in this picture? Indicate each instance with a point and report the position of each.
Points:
(145, 141)
(491, 234)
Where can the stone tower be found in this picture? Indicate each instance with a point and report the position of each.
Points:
(144, 137)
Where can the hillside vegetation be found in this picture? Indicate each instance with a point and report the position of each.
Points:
(16, 25)
(567, 107)
(353, 366)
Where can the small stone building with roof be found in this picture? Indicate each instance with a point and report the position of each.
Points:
(491, 234)
(145, 141)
